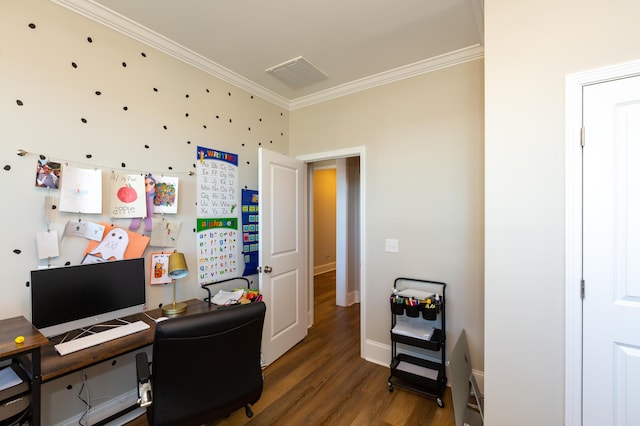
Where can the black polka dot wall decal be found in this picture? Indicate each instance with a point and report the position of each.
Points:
(32, 26)
(42, 157)
(251, 96)
(170, 168)
(74, 65)
(123, 165)
(19, 102)
(194, 229)
(243, 144)
(98, 93)
(186, 96)
(230, 121)
(84, 120)
(7, 167)
(207, 90)
(229, 93)
(89, 155)
(124, 65)
(204, 126)
(259, 143)
(126, 108)
(164, 127)
(249, 128)
(188, 142)
(67, 263)
(53, 207)
(217, 116)
(27, 284)
(17, 251)
(144, 55)
(260, 120)
(248, 162)
(146, 146)
(155, 89)
(186, 115)
(89, 39)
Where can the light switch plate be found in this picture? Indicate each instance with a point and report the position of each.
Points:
(391, 245)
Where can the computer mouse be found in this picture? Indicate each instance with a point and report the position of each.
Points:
(161, 319)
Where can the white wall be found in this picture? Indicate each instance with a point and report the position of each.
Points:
(530, 47)
(36, 69)
(424, 186)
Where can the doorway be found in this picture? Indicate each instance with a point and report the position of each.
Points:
(349, 239)
(578, 247)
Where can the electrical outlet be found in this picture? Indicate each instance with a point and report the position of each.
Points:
(391, 245)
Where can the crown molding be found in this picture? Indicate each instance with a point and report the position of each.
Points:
(123, 25)
(446, 60)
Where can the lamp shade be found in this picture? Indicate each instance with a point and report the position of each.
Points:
(177, 265)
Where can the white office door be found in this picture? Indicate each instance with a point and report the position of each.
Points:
(611, 262)
(283, 251)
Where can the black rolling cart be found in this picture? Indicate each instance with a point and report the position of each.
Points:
(418, 335)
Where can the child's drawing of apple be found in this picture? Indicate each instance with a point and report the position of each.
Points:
(127, 194)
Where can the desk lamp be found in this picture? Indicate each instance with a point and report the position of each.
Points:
(177, 269)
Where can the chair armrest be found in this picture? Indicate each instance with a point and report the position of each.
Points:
(142, 367)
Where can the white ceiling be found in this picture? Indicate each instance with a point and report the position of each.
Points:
(357, 43)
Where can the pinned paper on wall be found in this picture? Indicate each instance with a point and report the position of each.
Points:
(81, 190)
(84, 229)
(47, 242)
(160, 268)
(165, 232)
(116, 244)
(217, 181)
(217, 215)
(166, 197)
(127, 196)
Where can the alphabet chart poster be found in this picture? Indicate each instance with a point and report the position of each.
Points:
(217, 249)
(217, 215)
(217, 183)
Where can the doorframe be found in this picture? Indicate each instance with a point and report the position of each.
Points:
(574, 85)
(358, 151)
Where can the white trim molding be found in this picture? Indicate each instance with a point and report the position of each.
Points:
(98, 13)
(573, 228)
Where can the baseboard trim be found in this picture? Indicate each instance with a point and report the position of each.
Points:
(321, 269)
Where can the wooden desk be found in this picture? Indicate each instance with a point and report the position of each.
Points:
(54, 365)
(33, 342)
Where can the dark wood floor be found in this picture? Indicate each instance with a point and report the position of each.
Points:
(324, 381)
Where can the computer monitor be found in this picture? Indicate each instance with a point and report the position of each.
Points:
(72, 297)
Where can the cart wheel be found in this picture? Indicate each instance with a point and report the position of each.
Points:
(440, 402)
(390, 387)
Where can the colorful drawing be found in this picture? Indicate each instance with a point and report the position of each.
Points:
(166, 195)
(160, 268)
(150, 194)
(126, 196)
(116, 244)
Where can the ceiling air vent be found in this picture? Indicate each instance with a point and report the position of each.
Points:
(297, 73)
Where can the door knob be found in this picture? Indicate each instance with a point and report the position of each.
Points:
(267, 269)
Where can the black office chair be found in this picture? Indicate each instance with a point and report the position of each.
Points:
(205, 366)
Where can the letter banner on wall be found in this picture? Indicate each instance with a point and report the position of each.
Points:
(217, 217)
(250, 231)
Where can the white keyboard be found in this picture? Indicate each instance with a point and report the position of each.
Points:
(101, 337)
